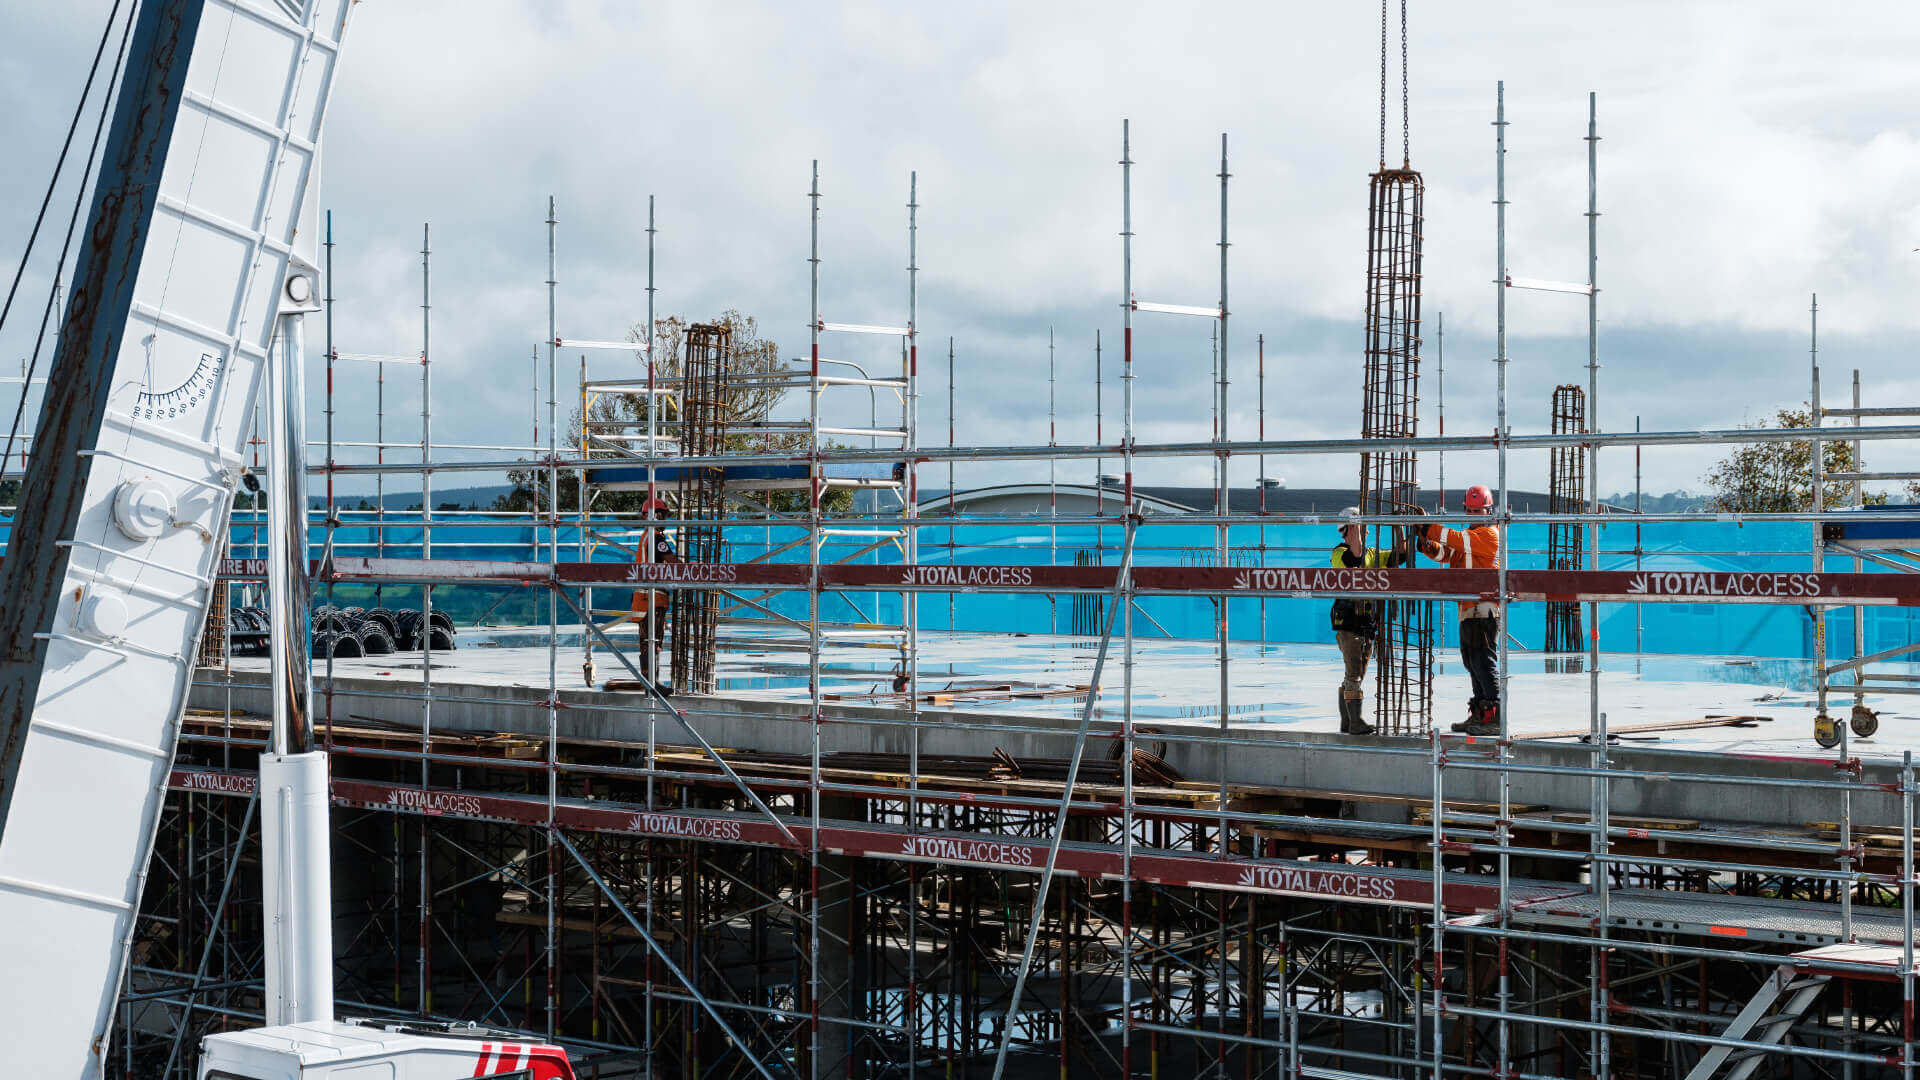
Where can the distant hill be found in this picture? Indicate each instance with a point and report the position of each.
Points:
(1670, 502)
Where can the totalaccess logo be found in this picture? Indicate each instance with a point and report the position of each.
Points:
(1328, 580)
(433, 802)
(968, 851)
(1747, 584)
(1318, 882)
(968, 577)
(692, 827)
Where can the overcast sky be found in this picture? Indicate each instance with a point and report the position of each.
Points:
(1751, 154)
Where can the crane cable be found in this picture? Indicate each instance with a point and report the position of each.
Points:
(73, 219)
(1406, 151)
(1406, 143)
(79, 110)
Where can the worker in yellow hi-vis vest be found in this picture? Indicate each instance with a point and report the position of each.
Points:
(1356, 622)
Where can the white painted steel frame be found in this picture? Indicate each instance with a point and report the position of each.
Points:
(236, 214)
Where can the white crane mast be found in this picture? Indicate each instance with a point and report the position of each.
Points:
(230, 246)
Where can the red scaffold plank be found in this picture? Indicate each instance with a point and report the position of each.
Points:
(1286, 877)
(1523, 586)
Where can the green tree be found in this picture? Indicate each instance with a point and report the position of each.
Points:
(1777, 477)
(611, 414)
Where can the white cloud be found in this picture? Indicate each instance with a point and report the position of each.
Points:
(1751, 154)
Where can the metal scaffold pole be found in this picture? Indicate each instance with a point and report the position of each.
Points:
(1126, 601)
(910, 602)
(1503, 835)
(1221, 535)
(813, 631)
(910, 498)
(333, 515)
(1602, 1046)
(553, 555)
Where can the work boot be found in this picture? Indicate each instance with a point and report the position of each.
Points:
(1483, 718)
(1350, 722)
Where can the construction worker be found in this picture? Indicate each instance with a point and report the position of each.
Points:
(1476, 547)
(650, 607)
(1356, 622)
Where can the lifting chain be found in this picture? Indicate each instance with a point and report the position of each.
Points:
(1406, 151)
(1383, 84)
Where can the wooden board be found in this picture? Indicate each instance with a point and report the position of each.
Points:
(1644, 729)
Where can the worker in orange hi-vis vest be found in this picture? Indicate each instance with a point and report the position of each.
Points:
(1476, 547)
(650, 607)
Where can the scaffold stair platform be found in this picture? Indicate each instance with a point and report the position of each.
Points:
(1793, 991)
(1750, 918)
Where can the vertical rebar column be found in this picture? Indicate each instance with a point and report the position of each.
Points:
(1566, 494)
(1389, 480)
(705, 409)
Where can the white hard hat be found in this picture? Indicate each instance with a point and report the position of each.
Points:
(1350, 513)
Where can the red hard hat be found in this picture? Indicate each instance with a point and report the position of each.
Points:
(653, 506)
(1478, 497)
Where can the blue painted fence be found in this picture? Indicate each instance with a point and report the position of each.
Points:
(1715, 629)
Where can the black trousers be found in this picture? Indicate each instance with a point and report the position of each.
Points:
(653, 625)
(1479, 652)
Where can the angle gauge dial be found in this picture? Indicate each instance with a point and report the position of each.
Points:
(179, 395)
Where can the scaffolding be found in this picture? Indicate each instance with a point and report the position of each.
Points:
(728, 885)
(1889, 547)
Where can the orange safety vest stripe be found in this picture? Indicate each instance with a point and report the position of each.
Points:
(643, 601)
(1478, 548)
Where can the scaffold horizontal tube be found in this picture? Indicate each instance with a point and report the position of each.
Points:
(1178, 309)
(1543, 285)
(576, 343)
(863, 328)
(1041, 452)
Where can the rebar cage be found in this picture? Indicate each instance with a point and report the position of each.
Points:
(706, 413)
(1389, 480)
(1566, 494)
